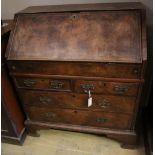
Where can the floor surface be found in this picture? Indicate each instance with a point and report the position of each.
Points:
(54, 142)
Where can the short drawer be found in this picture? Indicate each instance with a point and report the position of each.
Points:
(43, 83)
(109, 103)
(107, 70)
(115, 88)
(76, 117)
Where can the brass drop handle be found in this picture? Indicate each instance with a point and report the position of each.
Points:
(50, 115)
(29, 82)
(87, 87)
(104, 103)
(55, 84)
(101, 120)
(121, 89)
(44, 99)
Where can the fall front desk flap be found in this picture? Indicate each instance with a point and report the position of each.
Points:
(101, 36)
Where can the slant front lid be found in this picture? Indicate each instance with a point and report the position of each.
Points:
(100, 36)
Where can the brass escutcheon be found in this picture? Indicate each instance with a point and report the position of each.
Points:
(135, 71)
(87, 87)
(74, 17)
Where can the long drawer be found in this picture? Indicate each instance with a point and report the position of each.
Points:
(84, 118)
(80, 86)
(78, 101)
(107, 70)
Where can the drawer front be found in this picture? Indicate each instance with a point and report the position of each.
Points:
(78, 101)
(75, 117)
(116, 88)
(107, 70)
(43, 83)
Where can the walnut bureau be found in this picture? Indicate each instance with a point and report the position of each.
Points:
(62, 57)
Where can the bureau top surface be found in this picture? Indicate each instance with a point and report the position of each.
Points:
(105, 35)
(84, 7)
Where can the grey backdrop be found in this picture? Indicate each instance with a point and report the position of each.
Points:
(9, 7)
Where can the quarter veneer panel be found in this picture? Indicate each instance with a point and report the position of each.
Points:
(105, 29)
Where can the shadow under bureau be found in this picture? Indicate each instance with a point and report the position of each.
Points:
(80, 67)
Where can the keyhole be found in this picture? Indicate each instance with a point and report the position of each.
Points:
(13, 67)
(74, 17)
(75, 112)
(73, 95)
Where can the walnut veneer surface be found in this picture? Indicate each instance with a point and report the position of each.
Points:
(57, 54)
